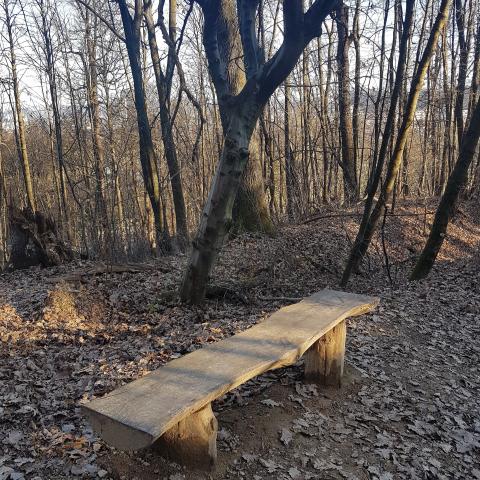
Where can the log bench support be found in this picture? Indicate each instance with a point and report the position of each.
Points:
(324, 360)
(193, 441)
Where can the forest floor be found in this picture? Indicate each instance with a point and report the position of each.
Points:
(409, 407)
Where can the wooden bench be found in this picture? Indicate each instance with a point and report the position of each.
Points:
(171, 406)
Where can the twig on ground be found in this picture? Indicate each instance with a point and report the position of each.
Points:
(279, 299)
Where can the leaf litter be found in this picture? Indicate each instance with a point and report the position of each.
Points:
(412, 410)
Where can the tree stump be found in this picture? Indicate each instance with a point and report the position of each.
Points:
(34, 240)
(193, 441)
(324, 360)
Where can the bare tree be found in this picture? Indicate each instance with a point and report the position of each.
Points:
(77, 95)
(242, 111)
(456, 182)
(164, 85)
(132, 29)
(368, 227)
(386, 138)
(344, 106)
(20, 123)
(45, 27)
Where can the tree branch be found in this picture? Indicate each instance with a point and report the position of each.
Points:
(138, 14)
(281, 64)
(102, 19)
(217, 68)
(246, 10)
(178, 65)
(299, 30)
(315, 16)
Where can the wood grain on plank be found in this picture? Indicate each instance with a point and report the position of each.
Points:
(137, 414)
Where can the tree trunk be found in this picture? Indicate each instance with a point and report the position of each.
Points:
(52, 82)
(167, 130)
(358, 248)
(131, 28)
(445, 209)
(460, 9)
(216, 219)
(250, 211)
(27, 176)
(346, 127)
(289, 158)
(3, 201)
(357, 93)
(474, 90)
(120, 225)
(102, 227)
(240, 113)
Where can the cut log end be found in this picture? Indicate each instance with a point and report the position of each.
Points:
(117, 434)
(193, 441)
(324, 361)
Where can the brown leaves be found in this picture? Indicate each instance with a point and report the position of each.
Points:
(415, 381)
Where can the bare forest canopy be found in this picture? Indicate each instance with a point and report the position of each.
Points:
(115, 115)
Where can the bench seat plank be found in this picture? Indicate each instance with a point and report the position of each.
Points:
(137, 414)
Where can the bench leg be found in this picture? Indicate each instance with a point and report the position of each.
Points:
(193, 441)
(325, 358)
